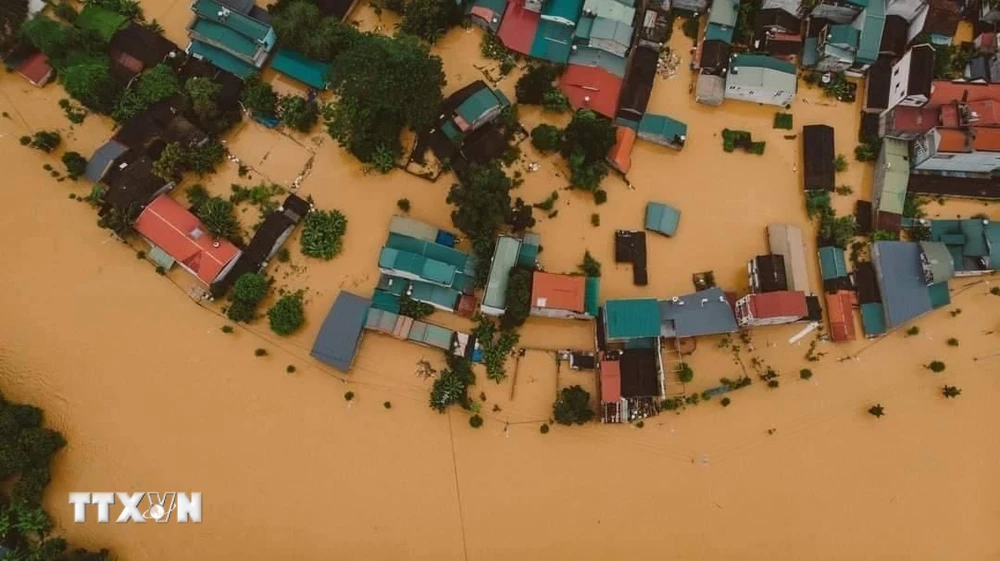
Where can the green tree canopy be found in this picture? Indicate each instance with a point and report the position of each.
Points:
(537, 81)
(259, 97)
(287, 315)
(589, 134)
(384, 84)
(90, 82)
(573, 406)
(219, 218)
(297, 113)
(168, 166)
(204, 94)
(303, 28)
(76, 164)
(322, 233)
(518, 301)
(430, 19)
(452, 384)
(547, 138)
(13, 14)
(251, 288)
(482, 200)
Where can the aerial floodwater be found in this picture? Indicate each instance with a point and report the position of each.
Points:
(152, 394)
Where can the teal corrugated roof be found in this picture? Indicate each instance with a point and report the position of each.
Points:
(477, 105)
(832, 263)
(632, 318)
(870, 41)
(386, 301)
(840, 53)
(591, 296)
(992, 234)
(221, 59)
(662, 129)
(450, 130)
(662, 218)
(244, 25)
(582, 32)
(430, 250)
(843, 35)
(717, 32)
(723, 12)
(552, 42)
(589, 56)
(627, 123)
(563, 9)
(809, 53)
(527, 255)
(763, 61)
(504, 259)
(873, 319)
(897, 175)
(415, 264)
(606, 29)
(219, 34)
(433, 294)
(296, 65)
(618, 11)
(975, 238)
(940, 297)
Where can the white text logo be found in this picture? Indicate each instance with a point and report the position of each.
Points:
(138, 507)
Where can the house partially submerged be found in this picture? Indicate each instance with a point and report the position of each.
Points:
(832, 267)
(767, 273)
(301, 68)
(339, 337)
(630, 366)
(510, 252)
(840, 311)
(786, 240)
(435, 273)
(235, 42)
(638, 85)
(771, 308)
(973, 244)
(35, 69)
(702, 313)
(564, 296)
(177, 236)
(662, 218)
(910, 281)
(136, 48)
(761, 79)
(662, 130)
(712, 56)
(892, 175)
(391, 322)
(818, 155)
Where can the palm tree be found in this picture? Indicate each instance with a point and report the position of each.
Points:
(31, 521)
(877, 410)
(951, 391)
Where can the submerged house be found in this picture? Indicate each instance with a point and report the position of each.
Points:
(630, 366)
(761, 79)
(767, 273)
(787, 241)
(911, 281)
(840, 311)
(482, 106)
(510, 252)
(662, 130)
(973, 243)
(702, 313)
(177, 236)
(818, 154)
(833, 267)
(301, 68)
(564, 296)
(339, 337)
(235, 42)
(435, 273)
(771, 308)
(272, 233)
(712, 57)
(892, 174)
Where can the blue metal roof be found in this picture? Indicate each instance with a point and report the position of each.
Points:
(706, 312)
(337, 342)
(901, 281)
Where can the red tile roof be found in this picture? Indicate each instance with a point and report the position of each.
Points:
(839, 308)
(953, 140)
(943, 91)
(611, 380)
(987, 113)
(915, 119)
(561, 292)
(589, 87)
(36, 69)
(180, 234)
(620, 155)
(784, 303)
(518, 27)
(987, 139)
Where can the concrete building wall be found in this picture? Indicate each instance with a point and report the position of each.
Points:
(906, 9)
(899, 93)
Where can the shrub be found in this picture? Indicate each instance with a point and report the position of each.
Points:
(298, 113)
(492, 48)
(573, 406)
(65, 12)
(690, 28)
(403, 205)
(882, 235)
(240, 311)
(756, 148)
(773, 383)
(140, 255)
(549, 202)
(935, 366)
(322, 233)
(535, 82)
(840, 163)
(640, 424)
(475, 421)
(952, 342)
(387, 405)
(995, 291)
(25, 140)
(74, 114)
(260, 352)
(160, 270)
(348, 396)
(590, 266)
(544, 429)
(518, 300)
(259, 98)
(413, 308)
(287, 315)
(556, 101)
(913, 330)
(600, 196)
(227, 329)
(251, 288)
(844, 190)
(46, 141)
(595, 220)
(865, 153)
(724, 402)
(76, 165)
(805, 374)
(546, 138)
(783, 121)
(283, 255)
(684, 373)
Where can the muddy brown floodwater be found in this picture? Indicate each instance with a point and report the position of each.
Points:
(151, 395)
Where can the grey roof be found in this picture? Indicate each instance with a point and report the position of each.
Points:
(939, 262)
(706, 312)
(241, 6)
(102, 159)
(338, 338)
(901, 281)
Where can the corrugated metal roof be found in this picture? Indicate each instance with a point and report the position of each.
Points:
(611, 381)
(896, 154)
(220, 34)
(298, 66)
(937, 257)
(433, 294)
(599, 58)
(610, 9)
(901, 281)
(561, 292)
(563, 9)
(832, 263)
(337, 342)
(843, 35)
(412, 228)
(611, 30)
(841, 314)
(662, 218)
(706, 312)
(504, 259)
(552, 42)
(221, 59)
(592, 295)
(786, 240)
(103, 157)
(631, 318)
(758, 71)
(870, 41)
(477, 105)
(244, 25)
(718, 32)
(873, 319)
(662, 130)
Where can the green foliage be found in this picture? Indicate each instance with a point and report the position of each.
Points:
(572, 406)
(818, 204)
(518, 300)
(805, 374)
(538, 80)
(844, 190)
(286, 316)
(839, 231)
(724, 402)
(156, 85)
(590, 136)
(595, 220)
(684, 373)
(168, 165)
(403, 205)
(491, 47)
(46, 141)
(590, 266)
(756, 148)
(865, 153)
(90, 82)
(496, 348)
(322, 234)
(586, 174)
(65, 12)
(25, 140)
(259, 98)
(76, 165)
(383, 84)
(219, 217)
(75, 114)
(913, 330)
(920, 233)
(13, 14)
(49, 36)
(430, 19)
(840, 163)
(556, 101)
(950, 391)
(600, 197)
(546, 138)
(196, 195)
(733, 139)
(690, 28)
(952, 342)
(452, 384)
(131, 9)
(290, 369)
(913, 206)
(302, 27)
(521, 217)
(935, 366)
(413, 308)
(251, 288)
(475, 421)
(283, 255)
(783, 121)
(119, 219)
(549, 203)
(227, 329)
(482, 201)
(260, 195)
(259, 352)
(203, 159)
(297, 113)
(882, 236)
(995, 291)
(348, 396)
(544, 429)
(203, 94)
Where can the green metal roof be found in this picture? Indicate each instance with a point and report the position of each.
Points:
(583, 27)
(430, 250)
(993, 242)
(504, 259)
(610, 9)
(939, 259)
(809, 52)
(843, 35)
(381, 319)
(873, 319)
(870, 41)
(450, 130)
(418, 265)
(221, 59)
(832, 264)
(409, 227)
(632, 318)
(432, 335)
(940, 297)
(386, 301)
(662, 129)
(718, 32)
(897, 175)
(296, 65)
(975, 238)
(101, 21)
(527, 256)
(433, 294)
(564, 9)
(763, 61)
(479, 104)
(607, 29)
(723, 12)
(552, 42)
(662, 218)
(244, 25)
(219, 34)
(594, 57)
(591, 295)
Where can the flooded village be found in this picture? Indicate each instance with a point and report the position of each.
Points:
(702, 278)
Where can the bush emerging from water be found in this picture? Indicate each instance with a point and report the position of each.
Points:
(935, 366)
(805, 374)
(475, 421)
(287, 314)
(573, 406)
(260, 352)
(322, 234)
